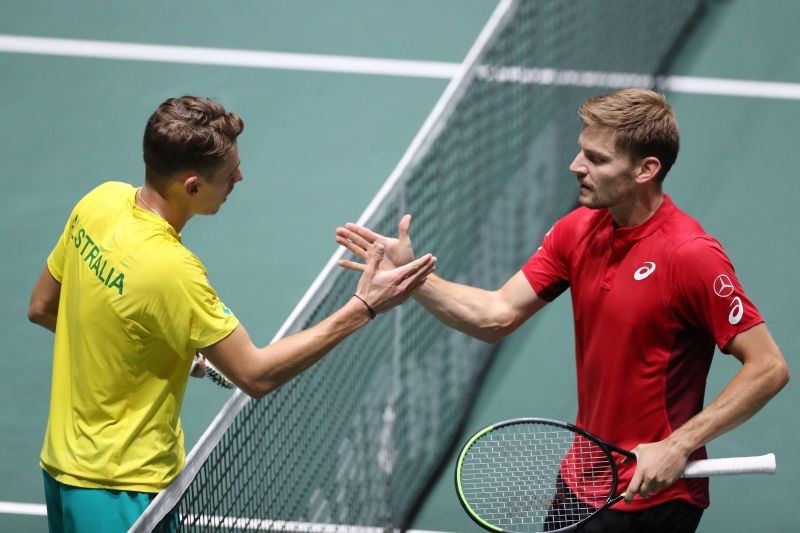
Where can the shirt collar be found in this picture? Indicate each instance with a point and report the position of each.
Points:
(635, 233)
(143, 213)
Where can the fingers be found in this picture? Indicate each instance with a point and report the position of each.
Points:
(362, 232)
(385, 289)
(658, 465)
(413, 281)
(416, 265)
(352, 246)
(415, 278)
(641, 486)
(353, 241)
(351, 265)
(418, 282)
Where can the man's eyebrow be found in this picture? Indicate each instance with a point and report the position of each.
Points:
(595, 153)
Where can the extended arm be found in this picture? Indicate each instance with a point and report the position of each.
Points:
(43, 306)
(486, 315)
(483, 314)
(258, 371)
(763, 374)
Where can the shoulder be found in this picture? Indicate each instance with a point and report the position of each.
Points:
(698, 254)
(109, 189)
(684, 234)
(697, 257)
(174, 257)
(581, 221)
(176, 280)
(163, 267)
(106, 194)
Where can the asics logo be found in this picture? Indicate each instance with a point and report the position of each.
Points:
(642, 272)
(723, 286)
(737, 310)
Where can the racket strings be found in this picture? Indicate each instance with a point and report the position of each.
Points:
(535, 477)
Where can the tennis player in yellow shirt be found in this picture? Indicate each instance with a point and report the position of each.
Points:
(130, 306)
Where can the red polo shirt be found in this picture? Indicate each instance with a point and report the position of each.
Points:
(649, 302)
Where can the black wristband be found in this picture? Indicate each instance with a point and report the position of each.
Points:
(372, 314)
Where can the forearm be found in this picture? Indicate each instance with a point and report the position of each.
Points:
(763, 374)
(258, 371)
(476, 312)
(752, 387)
(278, 363)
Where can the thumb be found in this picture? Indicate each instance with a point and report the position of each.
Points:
(377, 257)
(633, 487)
(402, 228)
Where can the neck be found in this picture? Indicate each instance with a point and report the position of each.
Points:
(637, 211)
(153, 201)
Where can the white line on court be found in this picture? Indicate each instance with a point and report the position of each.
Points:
(226, 57)
(281, 525)
(229, 522)
(618, 80)
(23, 508)
(384, 67)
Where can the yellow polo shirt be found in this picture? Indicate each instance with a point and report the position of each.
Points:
(135, 305)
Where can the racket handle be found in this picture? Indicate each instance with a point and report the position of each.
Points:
(762, 464)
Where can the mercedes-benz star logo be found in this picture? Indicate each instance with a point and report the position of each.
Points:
(723, 286)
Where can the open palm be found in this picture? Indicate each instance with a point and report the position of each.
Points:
(357, 239)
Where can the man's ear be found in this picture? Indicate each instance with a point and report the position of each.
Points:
(648, 169)
(191, 184)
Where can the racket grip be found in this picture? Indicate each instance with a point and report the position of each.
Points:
(762, 464)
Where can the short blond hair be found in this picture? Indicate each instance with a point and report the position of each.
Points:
(642, 120)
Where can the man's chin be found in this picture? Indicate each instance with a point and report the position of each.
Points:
(588, 201)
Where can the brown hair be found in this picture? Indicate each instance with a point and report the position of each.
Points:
(187, 133)
(642, 120)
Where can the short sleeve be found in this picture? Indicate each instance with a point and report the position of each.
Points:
(55, 261)
(547, 270)
(189, 313)
(707, 292)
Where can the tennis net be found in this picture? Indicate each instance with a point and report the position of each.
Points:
(355, 439)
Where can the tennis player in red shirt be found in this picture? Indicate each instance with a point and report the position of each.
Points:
(652, 294)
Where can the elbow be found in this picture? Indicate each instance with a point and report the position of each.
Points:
(491, 335)
(253, 390)
(496, 329)
(773, 375)
(254, 393)
(258, 389)
(36, 313)
(780, 375)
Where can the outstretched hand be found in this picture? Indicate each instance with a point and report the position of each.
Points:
(357, 239)
(383, 288)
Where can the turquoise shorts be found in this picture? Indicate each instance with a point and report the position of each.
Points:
(75, 509)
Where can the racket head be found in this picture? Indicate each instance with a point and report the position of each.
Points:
(509, 476)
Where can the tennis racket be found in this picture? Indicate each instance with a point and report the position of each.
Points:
(533, 474)
(211, 372)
